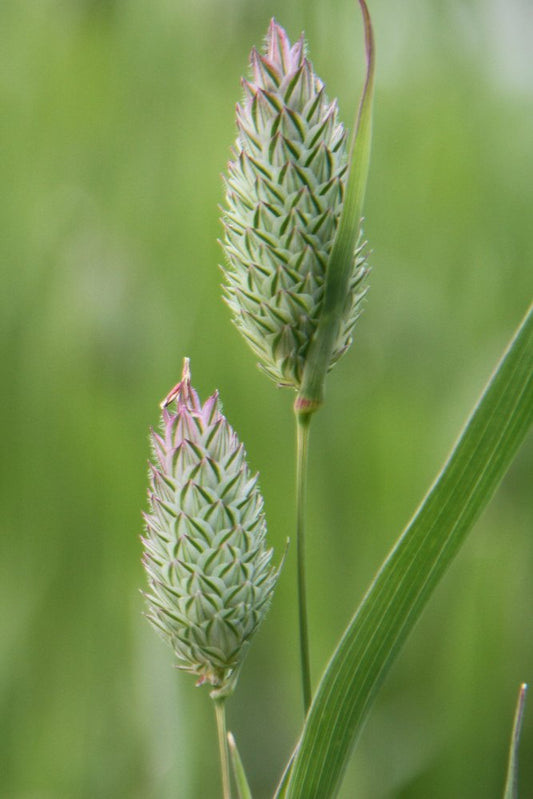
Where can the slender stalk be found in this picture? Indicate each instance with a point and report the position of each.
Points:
(302, 439)
(220, 712)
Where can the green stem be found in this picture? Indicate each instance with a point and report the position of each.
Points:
(302, 439)
(220, 712)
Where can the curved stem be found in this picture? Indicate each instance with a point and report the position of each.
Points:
(220, 711)
(302, 439)
(340, 264)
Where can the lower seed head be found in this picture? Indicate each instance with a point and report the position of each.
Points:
(209, 570)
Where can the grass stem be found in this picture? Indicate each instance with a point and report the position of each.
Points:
(302, 440)
(220, 711)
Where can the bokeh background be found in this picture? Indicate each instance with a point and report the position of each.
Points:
(116, 118)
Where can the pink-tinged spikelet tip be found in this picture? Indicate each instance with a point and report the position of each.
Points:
(181, 389)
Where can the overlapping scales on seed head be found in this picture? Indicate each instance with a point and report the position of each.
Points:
(209, 571)
(284, 196)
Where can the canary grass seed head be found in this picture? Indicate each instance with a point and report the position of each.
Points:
(285, 186)
(209, 570)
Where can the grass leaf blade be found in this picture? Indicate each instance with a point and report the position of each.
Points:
(511, 785)
(238, 769)
(396, 598)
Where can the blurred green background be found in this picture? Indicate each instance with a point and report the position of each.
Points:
(116, 118)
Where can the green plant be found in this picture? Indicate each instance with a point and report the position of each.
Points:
(294, 271)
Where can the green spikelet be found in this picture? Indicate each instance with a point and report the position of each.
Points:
(284, 196)
(209, 571)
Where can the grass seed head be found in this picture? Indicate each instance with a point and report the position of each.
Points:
(209, 570)
(285, 187)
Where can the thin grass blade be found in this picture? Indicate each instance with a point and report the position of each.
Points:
(511, 784)
(281, 790)
(395, 600)
(239, 773)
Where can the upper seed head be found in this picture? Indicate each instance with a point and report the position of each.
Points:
(284, 196)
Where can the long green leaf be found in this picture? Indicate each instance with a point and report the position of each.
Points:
(511, 784)
(395, 600)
